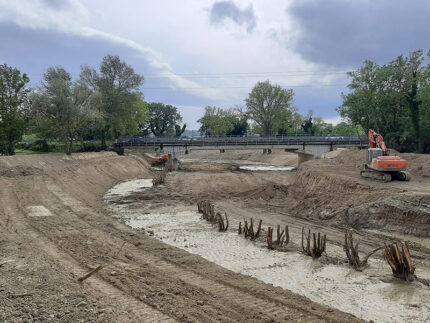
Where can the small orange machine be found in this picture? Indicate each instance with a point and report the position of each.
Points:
(160, 161)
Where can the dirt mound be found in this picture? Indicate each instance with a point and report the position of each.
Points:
(332, 190)
(16, 171)
(266, 192)
(418, 165)
(409, 214)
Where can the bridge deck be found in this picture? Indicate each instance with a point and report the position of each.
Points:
(281, 141)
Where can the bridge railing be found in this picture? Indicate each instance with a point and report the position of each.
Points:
(243, 140)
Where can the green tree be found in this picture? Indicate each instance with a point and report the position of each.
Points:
(63, 108)
(390, 99)
(222, 122)
(423, 97)
(163, 119)
(179, 131)
(270, 107)
(239, 119)
(214, 122)
(121, 101)
(13, 108)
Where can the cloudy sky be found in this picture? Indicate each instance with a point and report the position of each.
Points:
(195, 53)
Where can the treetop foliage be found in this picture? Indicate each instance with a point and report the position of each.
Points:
(13, 107)
(163, 119)
(270, 106)
(393, 99)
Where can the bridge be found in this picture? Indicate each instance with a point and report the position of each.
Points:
(307, 147)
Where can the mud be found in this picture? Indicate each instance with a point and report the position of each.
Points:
(372, 295)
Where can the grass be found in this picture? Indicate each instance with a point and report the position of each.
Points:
(55, 148)
(28, 151)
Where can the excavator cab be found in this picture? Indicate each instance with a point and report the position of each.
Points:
(373, 153)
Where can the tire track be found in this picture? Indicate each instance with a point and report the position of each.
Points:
(135, 309)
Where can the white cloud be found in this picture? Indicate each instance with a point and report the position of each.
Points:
(334, 120)
(72, 18)
(174, 39)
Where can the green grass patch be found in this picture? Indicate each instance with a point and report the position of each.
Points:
(28, 151)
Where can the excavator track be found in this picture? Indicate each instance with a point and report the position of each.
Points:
(375, 175)
(385, 177)
(403, 176)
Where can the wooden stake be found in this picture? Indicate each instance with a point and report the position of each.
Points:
(92, 272)
(269, 238)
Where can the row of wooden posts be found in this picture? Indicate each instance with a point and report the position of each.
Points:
(314, 244)
(208, 213)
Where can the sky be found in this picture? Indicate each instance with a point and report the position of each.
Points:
(196, 53)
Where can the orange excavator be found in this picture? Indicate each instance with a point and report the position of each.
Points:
(379, 165)
(160, 161)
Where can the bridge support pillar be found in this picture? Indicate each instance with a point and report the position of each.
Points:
(304, 157)
(172, 163)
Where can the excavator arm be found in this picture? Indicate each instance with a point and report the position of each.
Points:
(377, 141)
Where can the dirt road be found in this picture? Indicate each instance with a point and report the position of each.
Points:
(55, 228)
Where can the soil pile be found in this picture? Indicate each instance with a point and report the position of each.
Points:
(418, 165)
(266, 192)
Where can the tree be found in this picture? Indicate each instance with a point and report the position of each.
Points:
(223, 122)
(163, 119)
(269, 106)
(344, 128)
(308, 126)
(391, 100)
(239, 119)
(13, 108)
(121, 102)
(63, 108)
(179, 131)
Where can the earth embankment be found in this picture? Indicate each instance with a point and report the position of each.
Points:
(332, 191)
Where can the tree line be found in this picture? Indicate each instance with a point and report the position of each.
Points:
(269, 112)
(394, 100)
(100, 104)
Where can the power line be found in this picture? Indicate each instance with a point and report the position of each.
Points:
(236, 87)
(247, 74)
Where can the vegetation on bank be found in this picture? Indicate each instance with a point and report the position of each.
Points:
(102, 105)
(394, 100)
